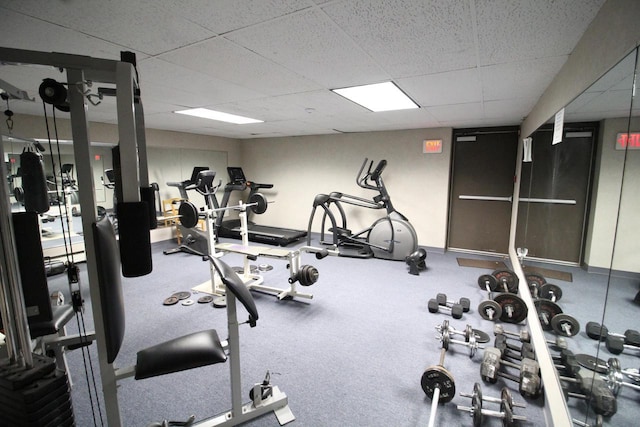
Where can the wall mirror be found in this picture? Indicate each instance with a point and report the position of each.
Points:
(576, 225)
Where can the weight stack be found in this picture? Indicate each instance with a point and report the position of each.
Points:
(35, 397)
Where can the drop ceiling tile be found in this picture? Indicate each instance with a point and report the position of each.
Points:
(408, 38)
(227, 61)
(455, 87)
(522, 79)
(309, 44)
(144, 25)
(457, 112)
(24, 32)
(509, 111)
(513, 30)
(223, 16)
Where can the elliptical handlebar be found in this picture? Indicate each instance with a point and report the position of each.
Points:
(363, 180)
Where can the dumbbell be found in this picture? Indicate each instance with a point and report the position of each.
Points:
(438, 384)
(507, 281)
(455, 310)
(529, 378)
(550, 292)
(601, 332)
(523, 335)
(614, 377)
(616, 345)
(559, 342)
(599, 396)
(567, 362)
(525, 350)
(464, 302)
(480, 336)
(505, 395)
(597, 422)
(489, 309)
(472, 344)
(478, 412)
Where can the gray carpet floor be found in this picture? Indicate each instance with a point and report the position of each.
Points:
(351, 356)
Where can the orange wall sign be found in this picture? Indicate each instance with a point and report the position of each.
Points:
(431, 146)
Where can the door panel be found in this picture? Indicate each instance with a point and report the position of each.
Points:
(553, 228)
(481, 189)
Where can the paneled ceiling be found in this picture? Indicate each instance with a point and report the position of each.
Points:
(466, 63)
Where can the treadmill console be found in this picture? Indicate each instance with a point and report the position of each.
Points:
(236, 175)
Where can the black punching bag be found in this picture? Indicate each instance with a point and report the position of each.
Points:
(34, 182)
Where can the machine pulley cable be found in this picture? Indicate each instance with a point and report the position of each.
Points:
(74, 277)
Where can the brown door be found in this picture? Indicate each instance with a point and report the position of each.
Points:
(554, 193)
(484, 163)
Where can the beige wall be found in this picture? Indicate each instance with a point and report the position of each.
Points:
(301, 167)
(611, 237)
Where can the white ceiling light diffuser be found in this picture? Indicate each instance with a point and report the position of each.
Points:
(205, 113)
(378, 97)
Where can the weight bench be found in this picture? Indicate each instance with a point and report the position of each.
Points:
(198, 349)
(297, 272)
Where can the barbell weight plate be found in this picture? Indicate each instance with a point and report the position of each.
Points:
(592, 363)
(559, 323)
(549, 290)
(476, 405)
(505, 396)
(511, 303)
(487, 279)
(260, 201)
(490, 310)
(477, 391)
(468, 332)
(481, 336)
(187, 302)
(548, 309)
(444, 339)
(170, 301)
(205, 299)
(537, 279)
(438, 377)
(188, 214)
(507, 277)
(182, 295)
(507, 417)
(614, 375)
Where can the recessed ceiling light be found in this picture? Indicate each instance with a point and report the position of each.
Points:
(378, 97)
(205, 113)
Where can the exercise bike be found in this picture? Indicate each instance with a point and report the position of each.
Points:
(391, 237)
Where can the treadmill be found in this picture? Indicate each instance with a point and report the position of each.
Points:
(257, 233)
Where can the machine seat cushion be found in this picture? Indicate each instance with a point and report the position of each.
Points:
(186, 352)
(61, 315)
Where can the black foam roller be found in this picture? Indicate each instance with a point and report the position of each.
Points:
(135, 241)
(34, 182)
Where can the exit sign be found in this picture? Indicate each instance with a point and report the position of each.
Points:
(430, 146)
(629, 141)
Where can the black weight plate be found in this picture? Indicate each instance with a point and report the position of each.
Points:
(476, 404)
(486, 307)
(549, 290)
(481, 336)
(170, 301)
(564, 319)
(438, 377)
(182, 295)
(537, 279)
(518, 310)
(205, 299)
(188, 214)
(592, 363)
(507, 277)
(487, 279)
(548, 309)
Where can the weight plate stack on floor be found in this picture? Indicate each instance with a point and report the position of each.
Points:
(35, 397)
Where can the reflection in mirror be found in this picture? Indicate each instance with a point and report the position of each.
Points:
(578, 202)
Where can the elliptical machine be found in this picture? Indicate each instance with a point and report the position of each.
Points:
(391, 237)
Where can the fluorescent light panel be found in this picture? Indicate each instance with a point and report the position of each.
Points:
(205, 113)
(378, 97)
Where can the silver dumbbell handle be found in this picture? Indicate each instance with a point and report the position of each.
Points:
(495, 400)
(492, 413)
(434, 406)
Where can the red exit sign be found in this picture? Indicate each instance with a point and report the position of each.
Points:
(430, 146)
(629, 141)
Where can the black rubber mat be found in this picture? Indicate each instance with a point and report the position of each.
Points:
(481, 263)
(550, 274)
